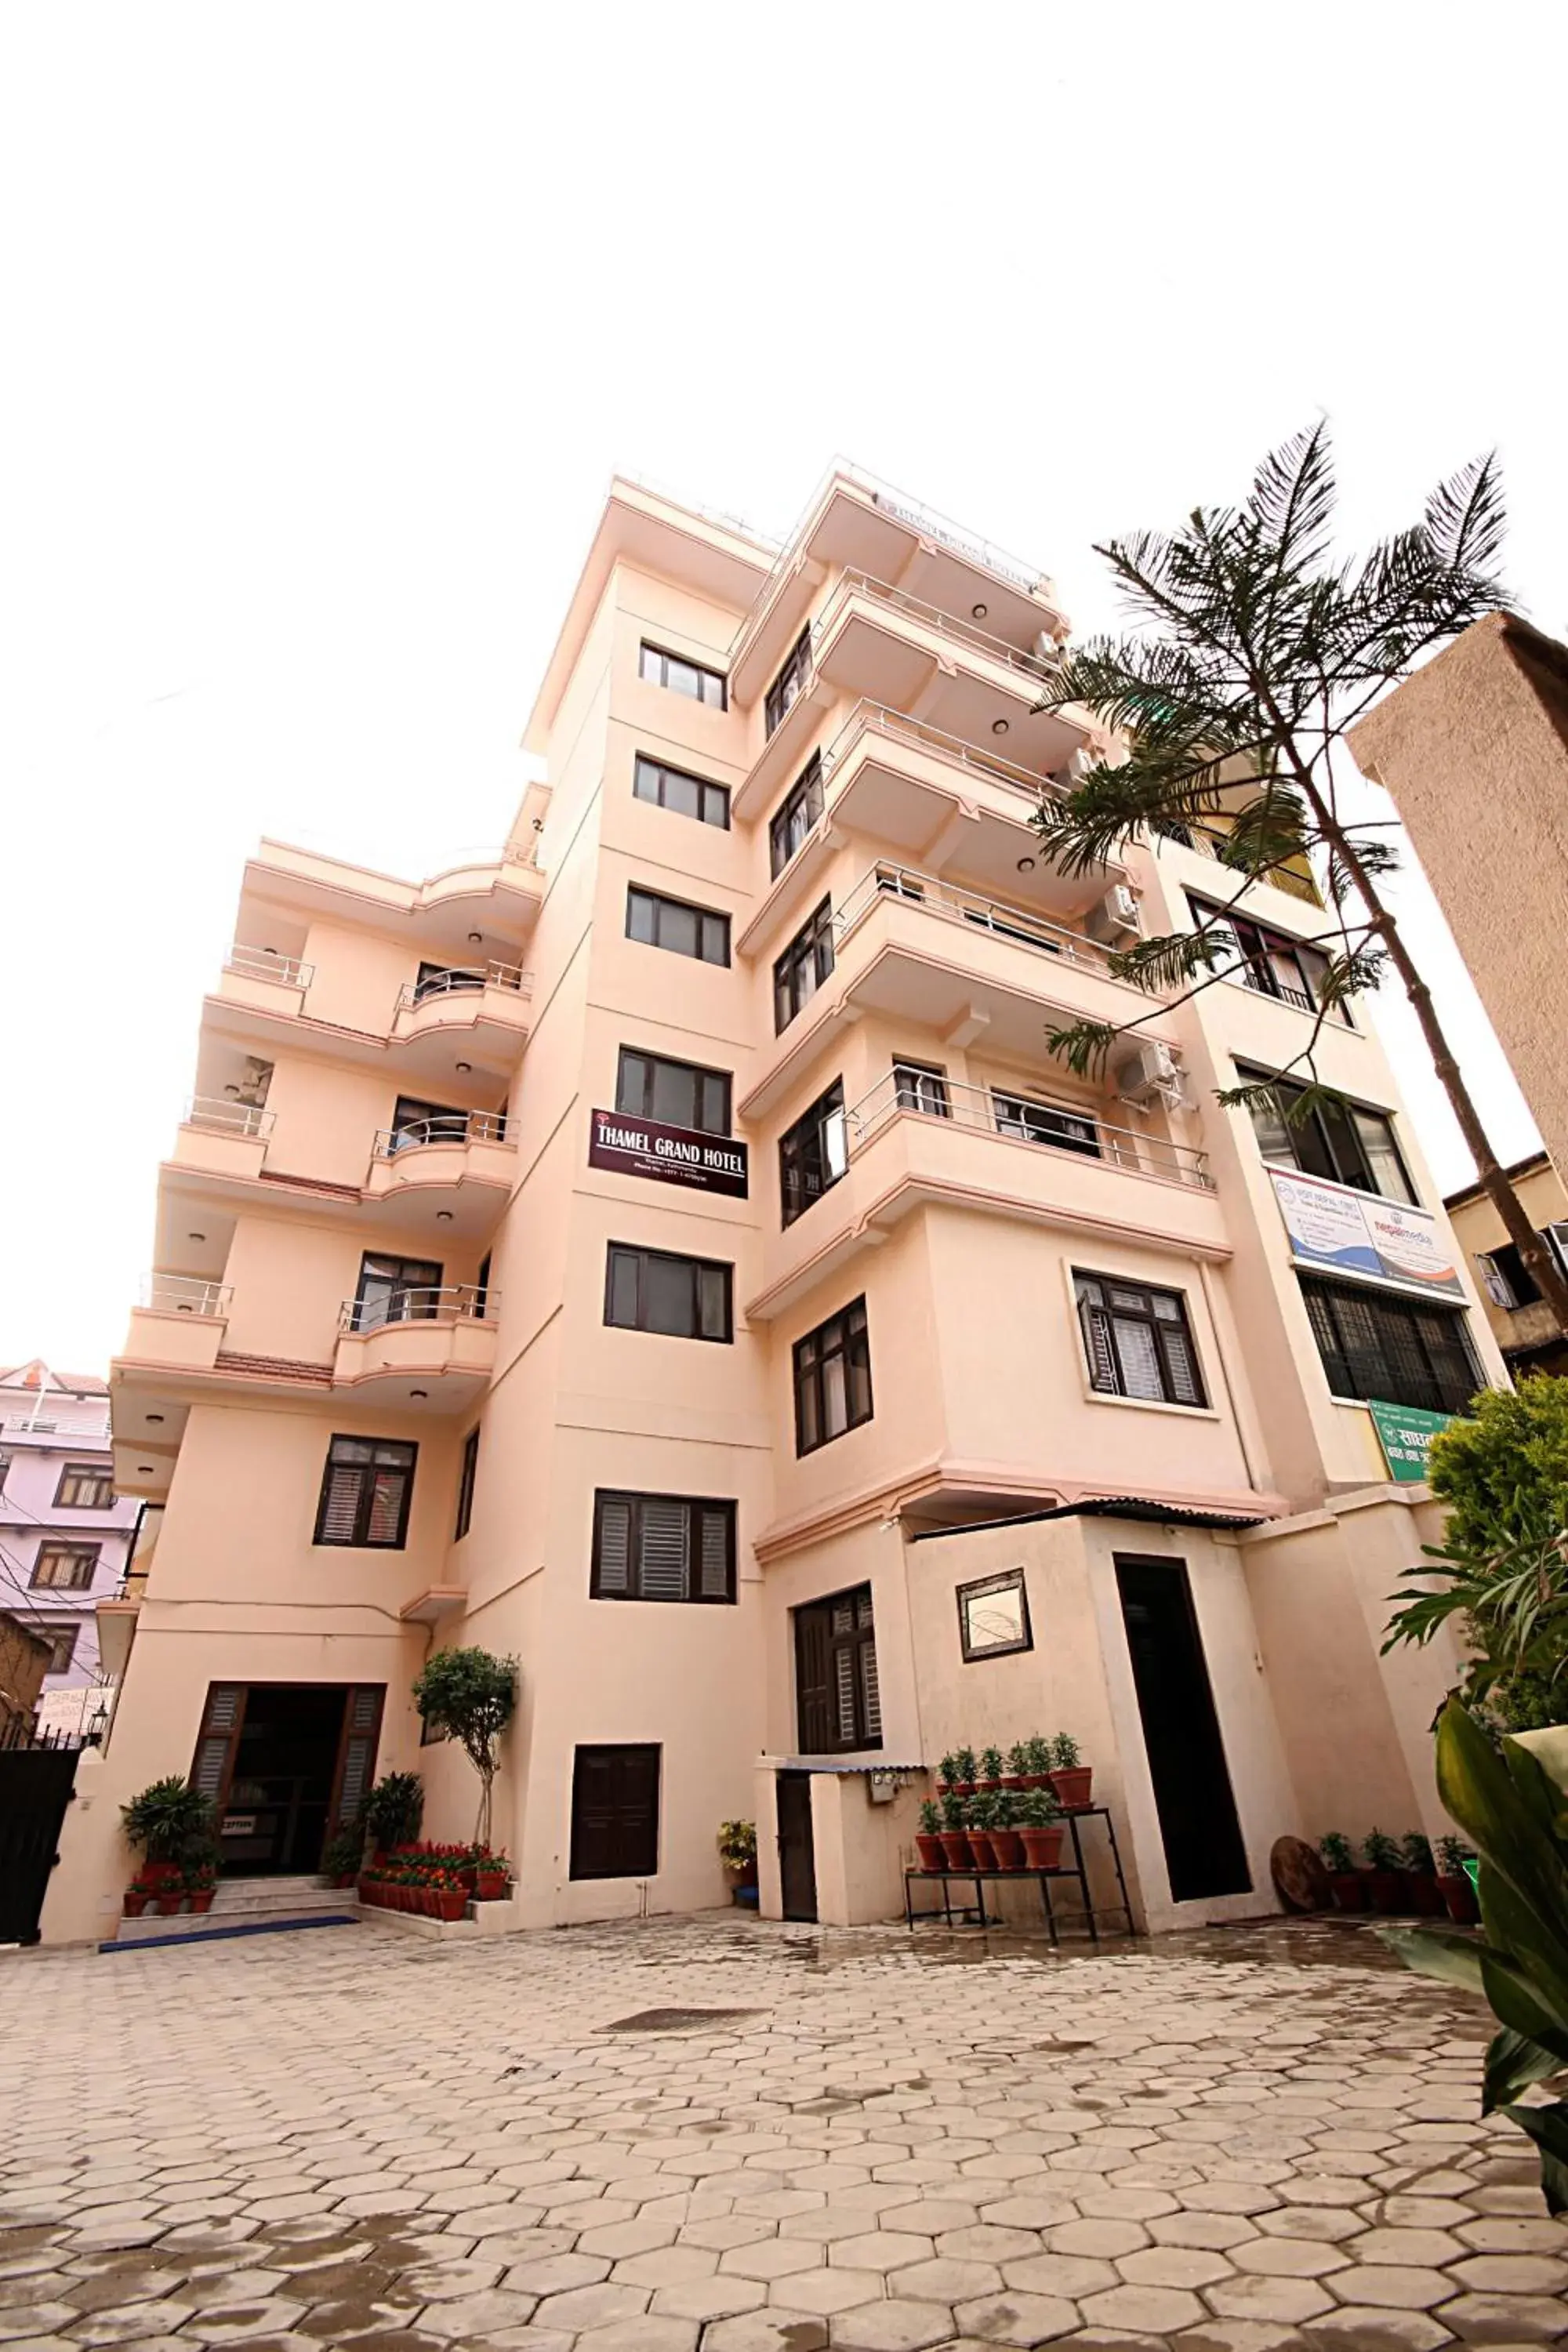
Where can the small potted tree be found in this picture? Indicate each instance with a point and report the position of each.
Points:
(172, 1823)
(472, 1695)
(992, 1767)
(1006, 1843)
(1071, 1778)
(1453, 1883)
(954, 1840)
(978, 1818)
(1384, 1878)
(928, 1838)
(1346, 1882)
(738, 1853)
(1040, 1829)
(963, 1771)
(1421, 1875)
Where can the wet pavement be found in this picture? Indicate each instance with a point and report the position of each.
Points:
(723, 2135)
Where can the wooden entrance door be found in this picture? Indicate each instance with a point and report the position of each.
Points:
(1205, 1854)
(798, 1850)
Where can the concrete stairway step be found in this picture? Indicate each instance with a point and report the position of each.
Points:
(252, 1897)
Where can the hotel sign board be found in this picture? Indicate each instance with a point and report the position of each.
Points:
(1334, 1230)
(670, 1155)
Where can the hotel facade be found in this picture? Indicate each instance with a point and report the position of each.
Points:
(667, 1253)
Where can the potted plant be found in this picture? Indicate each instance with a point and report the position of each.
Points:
(201, 1882)
(1006, 1843)
(1017, 1776)
(343, 1852)
(1070, 1778)
(992, 1767)
(1384, 1878)
(1453, 1884)
(1348, 1885)
(1421, 1875)
(954, 1842)
(738, 1853)
(472, 1695)
(392, 1811)
(136, 1898)
(963, 1771)
(450, 1896)
(172, 1823)
(980, 1814)
(492, 1875)
(1038, 1750)
(928, 1838)
(946, 1773)
(1040, 1829)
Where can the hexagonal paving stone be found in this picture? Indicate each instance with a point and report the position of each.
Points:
(1507, 2319)
(1413, 2249)
(555, 2274)
(767, 2331)
(1015, 2318)
(945, 2281)
(591, 2307)
(666, 2266)
(1365, 2327)
(1288, 2257)
(709, 2298)
(1288, 2300)
(1513, 2273)
(896, 2325)
(826, 2292)
(879, 2250)
(773, 2258)
(647, 2333)
(1072, 2275)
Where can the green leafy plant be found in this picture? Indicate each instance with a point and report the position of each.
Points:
(930, 1819)
(394, 1809)
(170, 1821)
(1066, 1753)
(964, 1765)
(344, 1850)
(1453, 1852)
(737, 1844)
(1338, 1853)
(1038, 1809)
(992, 1764)
(1516, 1816)
(981, 1811)
(1018, 1764)
(948, 1770)
(1415, 1853)
(471, 1694)
(1381, 1852)
(197, 1877)
(1005, 1810)
(1040, 1750)
(1256, 646)
(953, 1811)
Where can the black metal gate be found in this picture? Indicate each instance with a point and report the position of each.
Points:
(36, 1785)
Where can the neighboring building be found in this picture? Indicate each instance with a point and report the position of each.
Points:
(1474, 750)
(64, 1533)
(668, 1254)
(24, 1656)
(1522, 1324)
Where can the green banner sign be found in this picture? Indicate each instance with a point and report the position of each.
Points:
(1406, 1435)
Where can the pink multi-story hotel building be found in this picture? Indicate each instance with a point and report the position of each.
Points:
(668, 1253)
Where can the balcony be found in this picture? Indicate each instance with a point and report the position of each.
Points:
(502, 886)
(267, 981)
(116, 1615)
(222, 1138)
(907, 1145)
(457, 1168)
(434, 1347)
(963, 967)
(179, 1324)
(481, 1008)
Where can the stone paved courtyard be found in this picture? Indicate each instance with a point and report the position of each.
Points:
(1255, 2140)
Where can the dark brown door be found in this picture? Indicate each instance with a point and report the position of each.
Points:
(797, 1852)
(217, 1742)
(356, 1751)
(1198, 1826)
(615, 1812)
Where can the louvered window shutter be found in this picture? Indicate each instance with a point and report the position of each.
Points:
(844, 1696)
(219, 1732)
(340, 1505)
(385, 1512)
(361, 1729)
(613, 1562)
(870, 1692)
(813, 1714)
(1097, 1341)
(1185, 1386)
(664, 1547)
(715, 1526)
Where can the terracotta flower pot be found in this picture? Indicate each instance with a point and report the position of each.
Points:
(450, 1901)
(202, 1898)
(1349, 1890)
(1013, 1780)
(928, 1847)
(1043, 1847)
(167, 1905)
(1036, 1781)
(159, 1874)
(988, 1787)
(1425, 1896)
(955, 1845)
(1460, 1896)
(492, 1885)
(1386, 1889)
(981, 1847)
(1074, 1785)
(135, 1902)
(1008, 1847)
(963, 1788)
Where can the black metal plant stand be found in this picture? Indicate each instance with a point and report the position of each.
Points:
(978, 1879)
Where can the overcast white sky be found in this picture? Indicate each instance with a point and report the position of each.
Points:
(326, 326)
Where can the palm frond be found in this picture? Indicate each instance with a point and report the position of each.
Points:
(1172, 957)
(1084, 1046)
(1466, 517)
(1292, 499)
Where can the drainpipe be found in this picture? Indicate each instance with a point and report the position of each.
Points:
(1206, 1281)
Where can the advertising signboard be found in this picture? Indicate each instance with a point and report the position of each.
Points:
(1337, 1231)
(670, 1155)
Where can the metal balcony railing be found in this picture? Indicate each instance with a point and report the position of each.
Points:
(223, 1116)
(445, 1126)
(1030, 665)
(456, 1302)
(869, 717)
(1072, 1127)
(464, 979)
(185, 1294)
(1018, 925)
(261, 964)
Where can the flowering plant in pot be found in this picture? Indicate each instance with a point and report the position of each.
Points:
(738, 1852)
(981, 1814)
(492, 1875)
(965, 1770)
(1007, 1842)
(1040, 1829)
(928, 1838)
(954, 1842)
(1421, 1875)
(1072, 1779)
(1384, 1878)
(137, 1896)
(1346, 1882)
(201, 1882)
(992, 1767)
(1453, 1883)
(170, 1821)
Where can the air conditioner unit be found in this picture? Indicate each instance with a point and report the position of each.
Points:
(1115, 916)
(1152, 1073)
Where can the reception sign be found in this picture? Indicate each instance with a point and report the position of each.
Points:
(1340, 1231)
(1406, 1435)
(670, 1155)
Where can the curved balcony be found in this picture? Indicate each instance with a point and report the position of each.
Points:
(480, 1010)
(436, 1346)
(458, 1168)
(503, 885)
(909, 1143)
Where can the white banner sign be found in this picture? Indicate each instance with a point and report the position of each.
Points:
(1343, 1232)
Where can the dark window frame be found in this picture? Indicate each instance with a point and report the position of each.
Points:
(661, 657)
(644, 762)
(1108, 1358)
(806, 1169)
(819, 1709)
(1011, 1580)
(1329, 1306)
(796, 813)
(640, 1254)
(79, 1554)
(467, 1475)
(660, 899)
(1328, 1153)
(697, 1508)
(1257, 944)
(1013, 1112)
(845, 1338)
(790, 682)
(811, 953)
(387, 1266)
(60, 1637)
(698, 1071)
(922, 1087)
(96, 1475)
(361, 1540)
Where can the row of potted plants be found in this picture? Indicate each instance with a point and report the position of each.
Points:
(166, 1887)
(435, 1882)
(1400, 1874)
(1052, 1760)
(1002, 1829)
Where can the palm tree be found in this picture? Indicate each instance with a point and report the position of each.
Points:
(1254, 651)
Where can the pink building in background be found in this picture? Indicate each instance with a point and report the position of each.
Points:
(65, 1536)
